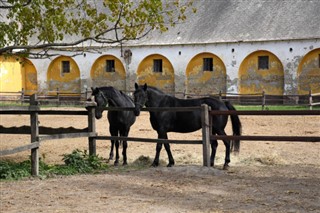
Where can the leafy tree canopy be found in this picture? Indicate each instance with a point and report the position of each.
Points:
(27, 25)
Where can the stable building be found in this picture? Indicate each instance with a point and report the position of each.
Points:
(242, 47)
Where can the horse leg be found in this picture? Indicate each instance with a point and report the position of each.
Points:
(114, 132)
(124, 152)
(124, 146)
(158, 149)
(116, 162)
(227, 145)
(111, 151)
(170, 157)
(214, 145)
(167, 147)
(156, 159)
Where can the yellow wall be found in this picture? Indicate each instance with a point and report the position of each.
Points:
(10, 74)
(163, 80)
(66, 82)
(29, 76)
(205, 82)
(252, 80)
(17, 74)
(309, 73)
(101, 78)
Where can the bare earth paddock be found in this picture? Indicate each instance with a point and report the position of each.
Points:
(264, 177)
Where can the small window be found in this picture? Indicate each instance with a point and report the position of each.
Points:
(157, 65)
(263, 62)
(110, 66)
(65, 66)
(207, 64)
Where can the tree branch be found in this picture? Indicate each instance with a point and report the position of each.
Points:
(12, 6)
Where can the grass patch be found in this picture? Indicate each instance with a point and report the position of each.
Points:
(275, 107)
(78, 162)
(13, 104)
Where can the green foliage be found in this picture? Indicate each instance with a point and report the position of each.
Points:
(82, 162)
(47, 23)
(77, 162)
(13, 171)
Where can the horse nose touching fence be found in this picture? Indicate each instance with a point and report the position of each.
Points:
(41, 134)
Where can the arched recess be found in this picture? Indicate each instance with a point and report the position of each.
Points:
(63, 74)
(206, 74)
(162, 78)
(29, 77)
(108, 70)
(261, 71)
(309, 73)
(16, 74)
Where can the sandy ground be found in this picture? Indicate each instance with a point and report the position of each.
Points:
(264, 177)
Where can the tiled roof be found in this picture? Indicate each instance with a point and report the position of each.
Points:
(244, 20)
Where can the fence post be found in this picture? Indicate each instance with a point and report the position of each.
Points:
(58, 97)
(91, 128)
(263, 100)
(205, 134)
(34, 124)
(220, 95)
(310, 100)
(86, 94)
(22, 96)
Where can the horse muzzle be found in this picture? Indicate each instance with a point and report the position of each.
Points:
(98, 115)
(136, 110)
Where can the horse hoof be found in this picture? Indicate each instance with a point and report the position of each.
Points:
(116, 163)
(155, 164)
(124, 164)
(225, 167)
(170, 164)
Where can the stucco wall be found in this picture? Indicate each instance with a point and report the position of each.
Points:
(289, 53)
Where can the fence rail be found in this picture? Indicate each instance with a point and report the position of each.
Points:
(311, 100)
(20, 149)
(148, 140)
(58, 98)
(40, 134)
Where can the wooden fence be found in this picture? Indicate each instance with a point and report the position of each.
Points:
(311, 100)
(55, 97)
(40, 134)
(59, 98)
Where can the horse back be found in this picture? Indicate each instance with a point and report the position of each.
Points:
(189, 121)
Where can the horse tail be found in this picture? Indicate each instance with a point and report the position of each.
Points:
(236, 127)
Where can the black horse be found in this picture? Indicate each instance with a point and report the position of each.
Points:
(183, 122)
(119, 121)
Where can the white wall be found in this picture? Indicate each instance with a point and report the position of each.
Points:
(232, 60)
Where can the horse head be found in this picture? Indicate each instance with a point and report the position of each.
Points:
(140, 97)
(100, 100)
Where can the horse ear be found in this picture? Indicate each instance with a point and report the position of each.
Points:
(145, 86)
(136, 86)
(94, 90)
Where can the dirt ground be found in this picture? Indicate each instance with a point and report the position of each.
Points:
(264, 177)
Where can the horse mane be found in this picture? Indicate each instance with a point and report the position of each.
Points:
(110, 90)
(155, 88)
(126, 96)
(158, 91)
